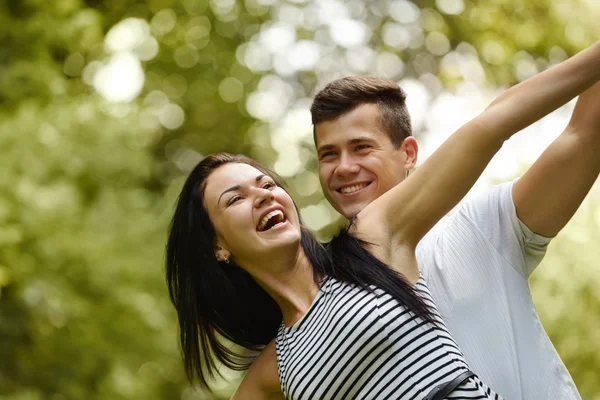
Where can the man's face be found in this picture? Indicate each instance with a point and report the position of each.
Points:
(357, 160)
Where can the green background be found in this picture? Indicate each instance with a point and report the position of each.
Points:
(88, 182)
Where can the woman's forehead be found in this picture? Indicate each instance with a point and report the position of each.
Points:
(235, 172)
(228, 175)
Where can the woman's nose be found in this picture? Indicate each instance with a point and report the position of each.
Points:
(262, 197)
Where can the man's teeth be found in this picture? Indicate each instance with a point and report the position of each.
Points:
(266, 218)
(351, 189)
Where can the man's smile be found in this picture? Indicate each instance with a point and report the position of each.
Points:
(352, 188)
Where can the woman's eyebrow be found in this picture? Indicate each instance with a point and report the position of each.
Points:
(237, 187)
(231, 189)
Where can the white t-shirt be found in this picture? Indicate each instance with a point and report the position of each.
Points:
(476, 263)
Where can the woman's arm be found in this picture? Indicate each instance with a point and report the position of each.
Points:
(262, 379)
(408, 211)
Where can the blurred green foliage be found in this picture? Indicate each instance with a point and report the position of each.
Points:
(89, 180)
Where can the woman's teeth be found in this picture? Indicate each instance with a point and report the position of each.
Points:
(266, 218)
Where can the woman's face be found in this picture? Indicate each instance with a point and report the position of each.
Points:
(253, 217)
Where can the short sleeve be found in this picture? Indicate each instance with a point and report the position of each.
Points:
(494, 215)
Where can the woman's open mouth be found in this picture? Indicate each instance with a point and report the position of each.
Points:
(271, 220)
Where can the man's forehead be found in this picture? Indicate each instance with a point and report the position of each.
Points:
(348, 137)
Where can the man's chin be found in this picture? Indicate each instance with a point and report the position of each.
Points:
(348, 209)
(351, 210)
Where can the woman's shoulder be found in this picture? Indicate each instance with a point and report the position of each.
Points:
(262, 379)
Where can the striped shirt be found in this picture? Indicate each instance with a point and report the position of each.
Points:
(359, 344)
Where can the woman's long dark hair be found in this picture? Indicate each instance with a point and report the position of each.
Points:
(222, 304)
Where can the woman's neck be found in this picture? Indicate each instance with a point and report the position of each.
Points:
(293, 286)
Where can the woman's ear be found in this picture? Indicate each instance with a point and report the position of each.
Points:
(222, 254)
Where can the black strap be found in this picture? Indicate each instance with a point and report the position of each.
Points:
(442, 390)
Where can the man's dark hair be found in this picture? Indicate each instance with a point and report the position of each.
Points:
(344, 95)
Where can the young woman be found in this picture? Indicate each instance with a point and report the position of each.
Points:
(352, 319)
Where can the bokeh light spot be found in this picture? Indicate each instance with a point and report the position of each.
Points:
(186, 56)
(452, 7)
(403, 11)
(164, 21)
(121, 79)
(437, 43)
(171, 116)
(349, 33)
(231, 90)
(74, 64)
(127, 35)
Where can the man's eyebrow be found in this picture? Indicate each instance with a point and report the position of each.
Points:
(360, 139)
(238, 187)
(351, 141)
(325, 147)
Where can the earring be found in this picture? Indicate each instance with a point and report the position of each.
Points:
(222, 255)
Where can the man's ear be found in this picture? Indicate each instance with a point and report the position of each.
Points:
(411, 148)
(222, 254)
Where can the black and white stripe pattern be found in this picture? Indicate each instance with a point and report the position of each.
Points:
(357, 344)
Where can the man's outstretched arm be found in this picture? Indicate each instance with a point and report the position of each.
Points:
(555, 185)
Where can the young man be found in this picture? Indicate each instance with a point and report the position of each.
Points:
(476, 261)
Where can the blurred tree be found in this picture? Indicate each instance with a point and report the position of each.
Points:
(106, 105)
(83, 307)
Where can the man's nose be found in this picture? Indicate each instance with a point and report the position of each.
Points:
(347, 166)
